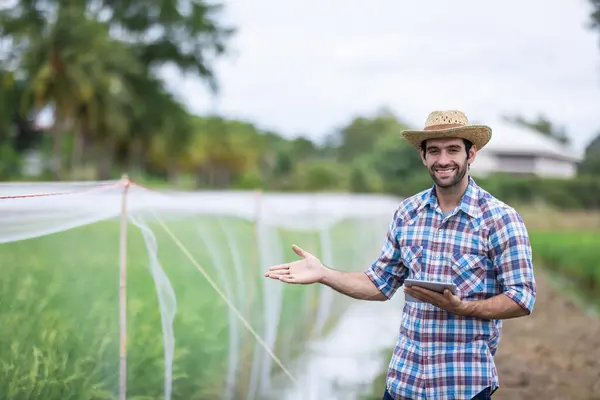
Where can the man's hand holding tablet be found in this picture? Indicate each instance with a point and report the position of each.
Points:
(440, 294)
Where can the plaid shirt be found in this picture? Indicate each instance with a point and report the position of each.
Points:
(483, 247)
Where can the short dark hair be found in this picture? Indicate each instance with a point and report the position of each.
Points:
(468, 145)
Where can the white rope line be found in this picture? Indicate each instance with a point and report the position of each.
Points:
(224, 297)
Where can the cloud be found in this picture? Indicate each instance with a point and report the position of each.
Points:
(307, 67)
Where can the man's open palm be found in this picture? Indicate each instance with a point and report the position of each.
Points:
(308, 269)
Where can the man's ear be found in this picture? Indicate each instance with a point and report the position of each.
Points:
(422, 153)
(472, 154)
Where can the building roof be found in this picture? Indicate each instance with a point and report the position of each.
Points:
(508, 138)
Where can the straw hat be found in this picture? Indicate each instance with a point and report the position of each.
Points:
(449, 124)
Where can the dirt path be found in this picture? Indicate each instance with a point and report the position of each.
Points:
(552, 354)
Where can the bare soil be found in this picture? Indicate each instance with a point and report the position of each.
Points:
(552, 354)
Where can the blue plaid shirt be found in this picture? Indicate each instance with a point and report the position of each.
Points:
(483, 247)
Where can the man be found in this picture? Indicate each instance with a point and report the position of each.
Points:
(456, 232)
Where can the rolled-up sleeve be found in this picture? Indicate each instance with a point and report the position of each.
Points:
(387, 272)
(511, 253)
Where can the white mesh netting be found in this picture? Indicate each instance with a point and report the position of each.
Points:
(201, 320)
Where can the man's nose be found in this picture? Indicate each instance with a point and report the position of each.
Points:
(444, 158)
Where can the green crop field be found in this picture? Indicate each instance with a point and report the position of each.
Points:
(60, 309)
(572, 254)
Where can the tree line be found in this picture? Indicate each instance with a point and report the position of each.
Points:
(93, 64)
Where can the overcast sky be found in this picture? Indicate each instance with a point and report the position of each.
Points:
(307, 67)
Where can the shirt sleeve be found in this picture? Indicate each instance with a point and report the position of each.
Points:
(511, 253)
(387, 272)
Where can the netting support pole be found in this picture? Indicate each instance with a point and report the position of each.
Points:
(123, 294)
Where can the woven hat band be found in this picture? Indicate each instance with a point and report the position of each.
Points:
(442, 126)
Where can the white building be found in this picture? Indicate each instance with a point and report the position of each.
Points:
(519, 150)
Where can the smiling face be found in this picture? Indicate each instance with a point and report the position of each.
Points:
(447, 161)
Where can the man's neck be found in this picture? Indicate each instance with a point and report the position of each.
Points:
(449, 198)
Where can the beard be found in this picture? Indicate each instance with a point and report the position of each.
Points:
(449, 175)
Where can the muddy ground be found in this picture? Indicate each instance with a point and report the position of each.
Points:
(552, 354)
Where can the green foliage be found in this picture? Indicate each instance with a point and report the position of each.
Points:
(183, 33)
(362, 133)
(573, 254)
(364, 178)
(60, 336)
(102, 85)
(582, 192)
(11, 162)
(320, 176)
(591, 162)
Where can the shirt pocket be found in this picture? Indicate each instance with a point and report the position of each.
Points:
(469, 273)
(411, 258)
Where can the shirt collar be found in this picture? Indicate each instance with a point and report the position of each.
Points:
(469, 203)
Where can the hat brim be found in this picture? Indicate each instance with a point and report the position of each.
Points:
(479, 135)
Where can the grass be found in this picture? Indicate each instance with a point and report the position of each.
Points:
(571, 254)
(566, 243)
(60, 309)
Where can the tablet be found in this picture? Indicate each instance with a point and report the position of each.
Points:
(438, 287)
